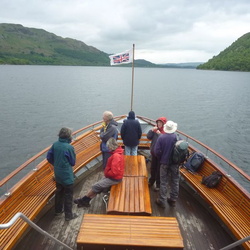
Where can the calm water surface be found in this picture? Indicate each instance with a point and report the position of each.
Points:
(36, 101)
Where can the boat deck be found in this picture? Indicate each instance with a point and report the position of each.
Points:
(199, 228)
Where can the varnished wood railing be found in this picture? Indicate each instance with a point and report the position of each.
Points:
(206, 148)
(96, 126)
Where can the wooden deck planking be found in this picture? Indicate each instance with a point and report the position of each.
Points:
(199, 228)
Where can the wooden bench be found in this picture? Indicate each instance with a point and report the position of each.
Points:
(135, 166)
(132, 195)
(32, 193)
(128, 232)
(31, 196)
(144, 142)
(227, 200)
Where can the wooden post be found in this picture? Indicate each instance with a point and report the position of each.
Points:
(132, 91)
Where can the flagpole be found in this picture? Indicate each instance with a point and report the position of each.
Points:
(132, 91)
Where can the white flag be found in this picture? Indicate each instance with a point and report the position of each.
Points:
(124, 57)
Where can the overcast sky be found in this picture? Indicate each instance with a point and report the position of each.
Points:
(163, 31)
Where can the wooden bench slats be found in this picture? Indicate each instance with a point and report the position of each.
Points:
(226, 199)
(31, 194)
(131, 196)
(103, 230)
(86, 141)
(135, 166)
(86, 156)
(20, 226)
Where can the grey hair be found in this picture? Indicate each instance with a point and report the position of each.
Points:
(112, 144)
(65, 133)
(109, 115)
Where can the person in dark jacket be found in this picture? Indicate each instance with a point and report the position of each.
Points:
(108, 130)
(62, 156)
(131, 133)
(153, 135)
(163, 149)
(113, 174)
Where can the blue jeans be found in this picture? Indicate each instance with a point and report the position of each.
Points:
(131, 150)
(169, 176)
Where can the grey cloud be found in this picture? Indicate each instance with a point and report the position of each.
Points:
(162, 26)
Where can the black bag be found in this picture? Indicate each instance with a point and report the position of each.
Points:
(194, 162)
(180, 152)
(212, 180)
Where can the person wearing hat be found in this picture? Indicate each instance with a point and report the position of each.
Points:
(153, 135)
(163, 149)
(131, 133)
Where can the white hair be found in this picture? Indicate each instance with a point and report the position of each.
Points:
(108, 114)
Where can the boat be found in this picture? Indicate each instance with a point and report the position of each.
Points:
(204, 218)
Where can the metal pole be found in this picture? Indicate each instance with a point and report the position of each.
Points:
(132, 91)
(26, 219)
(237, 243)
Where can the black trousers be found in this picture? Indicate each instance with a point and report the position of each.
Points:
(64, 199)
(155, 171)
(105, 156)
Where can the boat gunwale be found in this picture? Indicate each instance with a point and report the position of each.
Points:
(97, 125)
(35, 157)
(152, 123)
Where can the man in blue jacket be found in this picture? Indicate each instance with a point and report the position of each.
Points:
(62, 156)
(131, 133)
(163, 149)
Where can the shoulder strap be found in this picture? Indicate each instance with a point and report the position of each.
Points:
(177, 137)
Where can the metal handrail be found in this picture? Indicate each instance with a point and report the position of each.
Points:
(32, 224)
(237, 243)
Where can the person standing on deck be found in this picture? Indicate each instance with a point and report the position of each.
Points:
(62, 156)
(108, 130)
(131, 133)
(113, 174)
(153, 135)
(163, 149)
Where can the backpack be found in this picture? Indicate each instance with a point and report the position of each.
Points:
(194, 162)
(212, 180)
(180, 152)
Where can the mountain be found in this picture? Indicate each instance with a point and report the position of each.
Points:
(234, 58)
(21, 45)
(190, 65)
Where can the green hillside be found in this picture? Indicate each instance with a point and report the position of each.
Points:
(21, 45)
(234, 58)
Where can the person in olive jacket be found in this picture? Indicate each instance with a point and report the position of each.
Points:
(131, 133)
(62, 156)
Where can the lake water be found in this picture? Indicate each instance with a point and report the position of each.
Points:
(36, 101)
